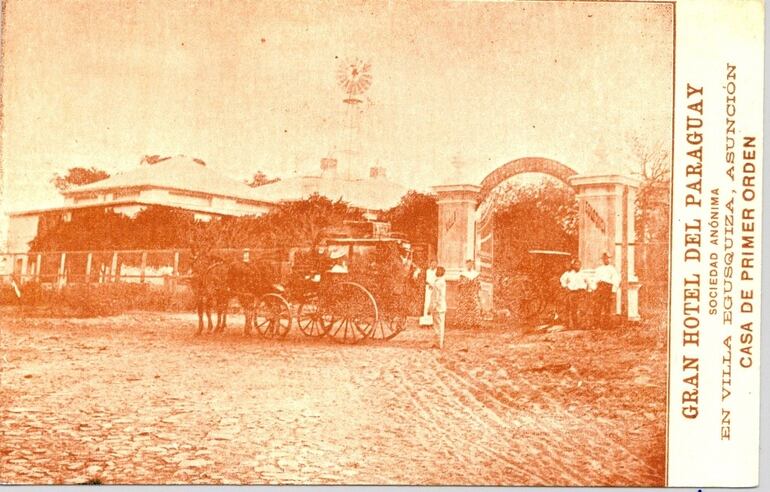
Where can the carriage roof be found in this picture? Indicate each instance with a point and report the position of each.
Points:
(547, 252)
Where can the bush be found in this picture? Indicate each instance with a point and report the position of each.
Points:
(82, 300)
(31, 294)
(85, 301)
(8, 296)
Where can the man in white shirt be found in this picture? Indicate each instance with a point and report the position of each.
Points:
(574, 283)
(438, 305)
(607, 282)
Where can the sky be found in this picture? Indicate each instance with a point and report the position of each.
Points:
(251, 86)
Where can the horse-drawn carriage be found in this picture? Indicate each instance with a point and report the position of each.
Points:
(531, 291)
(367, 297)
(347, 288)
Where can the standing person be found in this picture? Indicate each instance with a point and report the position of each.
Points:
(607, 283)
(438, 305)
(470, 273)
(574, 283)
(430, 279)
(17, 290)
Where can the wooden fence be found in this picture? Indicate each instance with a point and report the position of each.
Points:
(160, 267)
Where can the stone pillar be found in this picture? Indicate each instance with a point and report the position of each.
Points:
(456, 232)
(456, 226)
(606, 223)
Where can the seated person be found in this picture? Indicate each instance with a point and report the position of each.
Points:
(339, 265)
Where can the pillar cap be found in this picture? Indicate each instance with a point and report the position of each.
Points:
(604, 179)
(453, 188)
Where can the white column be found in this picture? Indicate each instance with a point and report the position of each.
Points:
(607, 205)
(456, 226)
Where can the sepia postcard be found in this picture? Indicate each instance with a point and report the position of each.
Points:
(381, 242)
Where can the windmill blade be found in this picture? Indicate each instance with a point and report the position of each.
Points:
(354, 76)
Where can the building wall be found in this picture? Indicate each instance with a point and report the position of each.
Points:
(3, 232)
(21, 230)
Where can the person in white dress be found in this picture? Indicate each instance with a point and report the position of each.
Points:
(430, 279)
(438, 305)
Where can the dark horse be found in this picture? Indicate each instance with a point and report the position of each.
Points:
(247, 282)
(215, 281)
(209, 289)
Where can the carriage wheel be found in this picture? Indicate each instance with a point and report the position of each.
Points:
(311, 320)
(387, 327)
(528, 301)
(272, 316)
(354, 313)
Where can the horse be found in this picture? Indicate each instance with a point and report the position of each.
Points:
(247, 282)
(208, 287)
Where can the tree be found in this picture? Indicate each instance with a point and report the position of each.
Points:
(288, 225)
(415, 216)
(260, 179)
(652, 218)
(297, 223)
(653, 199)
(155, 227)
(533, 216)
(77, 176)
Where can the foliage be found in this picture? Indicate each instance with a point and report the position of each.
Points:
(77, 176)
(152, 228)
(82, 300)
(416, 216)
(390, 280)
(652, 220)
(653, 199)
(289, 224)
(260, 179)
(533, 216)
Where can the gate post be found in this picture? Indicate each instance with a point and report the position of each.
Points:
(456, 226)
(456, 231)
(606, 223)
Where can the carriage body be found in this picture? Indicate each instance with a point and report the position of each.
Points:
(368, 299)
(531, 293)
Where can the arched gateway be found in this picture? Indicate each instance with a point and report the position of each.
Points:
(606, 223)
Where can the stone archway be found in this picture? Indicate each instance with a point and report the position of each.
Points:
(606, 223)
(485, 224)
(525, 165)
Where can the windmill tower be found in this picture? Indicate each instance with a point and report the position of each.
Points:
(354, 77)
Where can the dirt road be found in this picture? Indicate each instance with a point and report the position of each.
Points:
(138, 399)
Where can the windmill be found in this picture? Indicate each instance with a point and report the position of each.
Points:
(354, 77)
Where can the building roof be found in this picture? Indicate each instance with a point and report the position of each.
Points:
(187, 174)
(178, 173)
(120, 203)
(372, 194)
